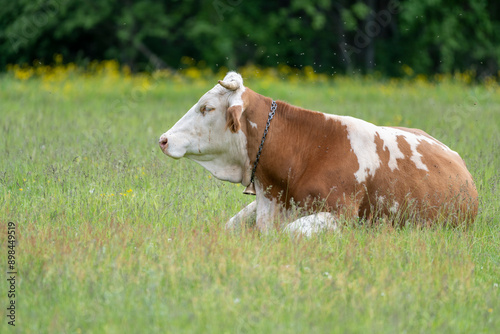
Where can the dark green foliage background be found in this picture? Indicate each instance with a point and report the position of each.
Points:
(429, 36)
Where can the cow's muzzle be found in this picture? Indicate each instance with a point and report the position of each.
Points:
(172, 146)
(163, 142)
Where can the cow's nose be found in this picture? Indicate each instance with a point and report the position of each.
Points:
(163, 142)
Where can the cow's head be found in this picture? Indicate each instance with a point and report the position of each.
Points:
(210, 132)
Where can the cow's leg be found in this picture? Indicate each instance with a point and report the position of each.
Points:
(312, 224)
(267, 209)
(241, 216)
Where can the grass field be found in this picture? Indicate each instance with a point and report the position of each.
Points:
(114, 237)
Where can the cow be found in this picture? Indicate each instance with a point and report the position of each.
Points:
(335, 167)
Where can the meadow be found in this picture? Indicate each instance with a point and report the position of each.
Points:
(115, 237)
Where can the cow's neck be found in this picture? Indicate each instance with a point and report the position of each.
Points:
(288, 144)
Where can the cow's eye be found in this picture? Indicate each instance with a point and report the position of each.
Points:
(205, 109)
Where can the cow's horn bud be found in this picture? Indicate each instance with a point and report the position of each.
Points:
(231, 85)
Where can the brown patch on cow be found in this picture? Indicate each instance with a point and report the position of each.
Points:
(314, 168)
(383, 154)
(448, 173)
(233, 115)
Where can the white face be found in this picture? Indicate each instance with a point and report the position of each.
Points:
(201, 134)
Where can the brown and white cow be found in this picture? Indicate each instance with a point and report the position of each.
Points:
(340, 165)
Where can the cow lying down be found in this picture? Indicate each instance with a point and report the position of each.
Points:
(337, 166)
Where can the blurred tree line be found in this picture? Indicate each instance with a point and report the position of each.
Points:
(341, 36)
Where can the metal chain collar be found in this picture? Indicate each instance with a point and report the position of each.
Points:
(271, 115)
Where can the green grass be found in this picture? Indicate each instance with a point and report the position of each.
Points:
(114, 237)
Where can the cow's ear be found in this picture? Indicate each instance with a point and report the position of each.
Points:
(233, 115)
